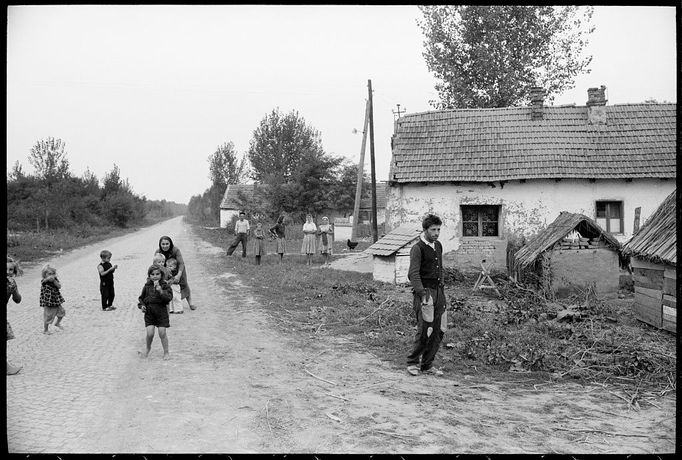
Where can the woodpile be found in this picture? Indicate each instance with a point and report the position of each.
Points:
(568, 243)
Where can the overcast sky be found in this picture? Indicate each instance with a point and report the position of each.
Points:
(156, 89)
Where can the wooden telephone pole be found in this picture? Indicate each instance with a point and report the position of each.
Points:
(375, 231)
(358, 189)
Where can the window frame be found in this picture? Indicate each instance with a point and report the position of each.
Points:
(479, 208)
(611, 205)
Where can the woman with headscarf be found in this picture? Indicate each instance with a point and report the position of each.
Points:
(167, 248)
(326, 232)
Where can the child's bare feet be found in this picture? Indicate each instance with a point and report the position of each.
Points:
(166, 357)
(59, 327)
(47, 332)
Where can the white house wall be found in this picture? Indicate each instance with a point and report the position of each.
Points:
(526, 207)
(226, 216)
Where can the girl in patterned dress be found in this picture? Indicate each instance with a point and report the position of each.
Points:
(259, 244)
(51, 299)
(326, 232)
(13, 293)
(278, 231)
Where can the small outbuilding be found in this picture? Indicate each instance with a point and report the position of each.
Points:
(391, 254)
(653, 256)
(571, 254)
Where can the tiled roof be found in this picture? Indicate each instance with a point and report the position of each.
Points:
(395, 240)
(485, 145)
(366, 203)
(557, 230)
(656, 240)
(230, 198)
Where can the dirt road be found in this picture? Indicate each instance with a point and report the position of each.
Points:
(233, 384)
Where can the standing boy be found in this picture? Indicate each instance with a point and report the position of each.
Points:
(106, 280)
(426, 275)
(241, 231)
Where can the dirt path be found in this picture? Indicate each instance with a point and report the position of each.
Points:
(235, 385)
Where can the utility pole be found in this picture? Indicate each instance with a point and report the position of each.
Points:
(375, 231)
(358, 189)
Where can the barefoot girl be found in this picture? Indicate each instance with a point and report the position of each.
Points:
(153, 302)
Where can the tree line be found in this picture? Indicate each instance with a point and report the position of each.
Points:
(291, 170)
(52, 197)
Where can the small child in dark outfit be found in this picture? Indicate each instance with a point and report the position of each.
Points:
(106, 280)
(51, 299)
(153, 301)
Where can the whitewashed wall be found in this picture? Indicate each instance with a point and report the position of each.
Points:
(526, 207)
(226, 215)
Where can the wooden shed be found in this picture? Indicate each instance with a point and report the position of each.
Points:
(571, 254)
(391, 254)
(653, 256)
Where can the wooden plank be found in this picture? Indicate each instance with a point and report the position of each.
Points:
(669, 326)
(670, 273)
(636, 262)
(652, 279)
(653, 293)
(669, 286)
(647, 301)
(669, 311)
(670, 301)
(648, 314)
(643, 281)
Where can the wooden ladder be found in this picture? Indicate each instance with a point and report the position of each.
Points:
(484, 277)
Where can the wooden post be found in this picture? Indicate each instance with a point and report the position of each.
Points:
(638, 211)
(358, 189)
(375, 231)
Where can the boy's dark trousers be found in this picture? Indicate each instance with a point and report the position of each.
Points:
(426, 346)
(107, 291)
(239, 238)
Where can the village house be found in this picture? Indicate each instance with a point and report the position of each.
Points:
(233, 201)
(503, 174)
(572, 255)
(653, 256)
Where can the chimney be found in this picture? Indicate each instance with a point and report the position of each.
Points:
(596, 106)
(537, 97)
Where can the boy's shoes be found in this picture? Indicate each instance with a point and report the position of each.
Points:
(413, 370)
(178, 312)
(109, 309)
(432, 371)
(171, 312)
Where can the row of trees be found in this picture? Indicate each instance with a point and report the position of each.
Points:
(52, 197)
(295, 174)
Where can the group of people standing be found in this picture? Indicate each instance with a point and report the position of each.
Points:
(315, 238)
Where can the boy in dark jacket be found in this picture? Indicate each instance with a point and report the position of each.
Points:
(153, 301)
(426, 275)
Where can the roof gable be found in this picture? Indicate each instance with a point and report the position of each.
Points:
(395, 240)
(656, 240)
(232, 193)
(557, 230)
(485, 145)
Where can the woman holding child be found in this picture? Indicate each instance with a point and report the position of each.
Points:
(167, 248)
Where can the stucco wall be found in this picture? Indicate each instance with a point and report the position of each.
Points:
(575, 270)
(526, 207)
(226, 215)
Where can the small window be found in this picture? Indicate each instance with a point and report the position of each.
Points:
(480, 220)
(610, 216)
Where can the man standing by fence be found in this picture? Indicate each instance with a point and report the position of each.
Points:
(241, 232)
(426, 275)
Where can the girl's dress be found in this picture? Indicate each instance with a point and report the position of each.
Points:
(51, 301)
(278, 230)
(326, 238)
(259, 242)
(156, 303)
(308, 246)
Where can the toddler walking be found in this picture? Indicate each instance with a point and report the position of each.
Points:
(106, 280)
(51, 299)
(175, 305)
(153, 301)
